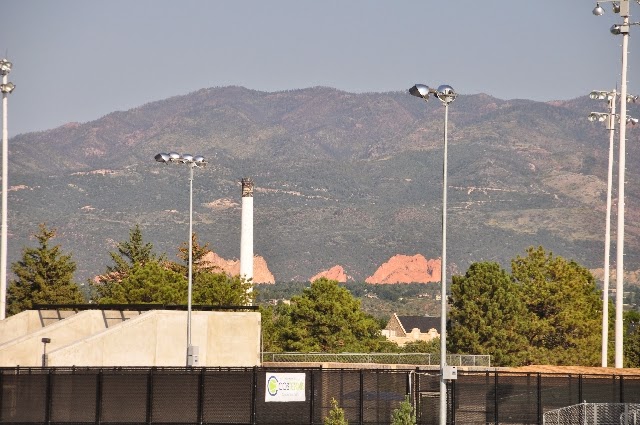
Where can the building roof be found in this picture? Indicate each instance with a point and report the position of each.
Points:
(423, 323)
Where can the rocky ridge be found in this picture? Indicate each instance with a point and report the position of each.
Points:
(261, 273)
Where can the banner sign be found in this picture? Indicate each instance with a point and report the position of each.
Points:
(285, 387)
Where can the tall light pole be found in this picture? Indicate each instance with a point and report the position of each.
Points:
(192, 162)
(610, 120)
(622, 7)
(446, 95)
(6, 88)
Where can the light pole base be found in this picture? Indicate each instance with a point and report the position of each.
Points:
(192, 355)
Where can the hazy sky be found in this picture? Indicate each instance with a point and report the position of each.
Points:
(79, 60)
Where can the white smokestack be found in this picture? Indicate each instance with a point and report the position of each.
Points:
(246, 232)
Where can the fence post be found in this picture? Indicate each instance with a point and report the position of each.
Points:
(580, 400)
(452, 384)
(621, 389)
(150, 395)
(311, 395)
(99, 397)
(49, 402)
(361, 404)
(254, 391)
(540, 414)
(200, 415)
(495, 397)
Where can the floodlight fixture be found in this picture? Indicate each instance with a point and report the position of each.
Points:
(162, 157)
(7, 88)
(632, 121)
(446, 94)
(598, 116)
(422, 91)
(598, 10)
(616, 7)
(601, 95)
(632, 98)
(5, 67)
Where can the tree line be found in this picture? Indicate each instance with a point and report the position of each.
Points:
(547, 310)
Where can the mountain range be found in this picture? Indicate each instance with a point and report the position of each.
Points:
(341, 179)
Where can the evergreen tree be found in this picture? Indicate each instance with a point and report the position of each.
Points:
(44, 275)
(487, 315)
(198, 253)
(405, 414)
(221, 289)
(631, 339)
(327, 318)
(148, 283)
(130, 256)
(565, 323)
(211, 287)
(336, 415)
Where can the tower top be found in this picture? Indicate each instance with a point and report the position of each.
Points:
(247, 187)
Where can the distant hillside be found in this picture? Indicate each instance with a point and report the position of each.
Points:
(341, 178)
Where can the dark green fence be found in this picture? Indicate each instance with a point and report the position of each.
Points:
(239, 395)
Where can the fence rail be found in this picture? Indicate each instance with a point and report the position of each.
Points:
(196, 396)
(427, 359)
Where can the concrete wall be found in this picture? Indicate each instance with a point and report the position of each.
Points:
(27, 350)
(155, 338)
(159, 338)
(29, 321)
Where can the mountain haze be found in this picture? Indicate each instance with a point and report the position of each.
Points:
(341, 178)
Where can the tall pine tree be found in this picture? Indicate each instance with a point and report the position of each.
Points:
(44, 275)
(488, 315)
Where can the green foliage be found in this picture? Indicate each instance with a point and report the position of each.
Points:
(336, 415)
(631, 339)
(221, 289)
(129, 255)
(276, 320)
(148, 283)
(565, 310)
(404, 414)
(327, 318)
(211, 287)
(198, 253)
(432, 346)
(44, 275)
(487, 315)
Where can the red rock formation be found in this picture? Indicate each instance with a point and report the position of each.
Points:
(334, 273)
(407, 269)
(261, 273)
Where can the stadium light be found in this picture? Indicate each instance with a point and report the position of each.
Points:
(6, 88)
(193, 162)
(446, 95)
(621, 7)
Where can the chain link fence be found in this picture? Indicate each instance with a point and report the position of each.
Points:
(426, 359)
(595, 414)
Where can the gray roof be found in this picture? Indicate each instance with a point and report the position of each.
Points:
(423, 323)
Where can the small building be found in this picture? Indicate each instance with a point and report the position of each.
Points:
(405, 329)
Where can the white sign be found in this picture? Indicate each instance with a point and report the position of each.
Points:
(285, 387)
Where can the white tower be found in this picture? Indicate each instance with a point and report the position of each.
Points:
(246, 232)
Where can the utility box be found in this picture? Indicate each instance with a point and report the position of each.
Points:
(450, 372)
(193, 355)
